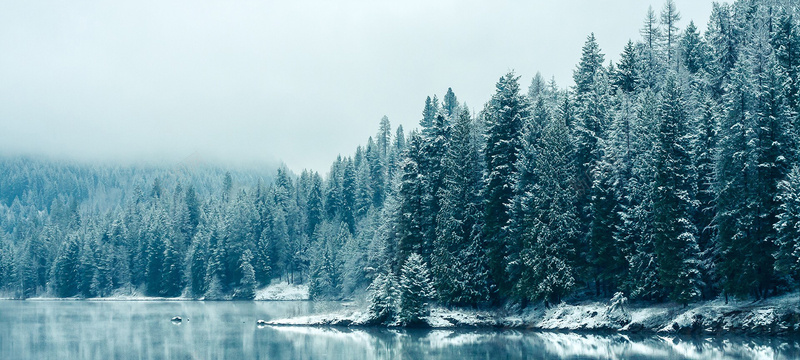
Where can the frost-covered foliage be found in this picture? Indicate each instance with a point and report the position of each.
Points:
(382, 299)
(415, 291)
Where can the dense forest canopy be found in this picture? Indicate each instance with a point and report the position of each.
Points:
(670, 174)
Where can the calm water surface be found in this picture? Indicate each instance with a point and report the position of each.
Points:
(227, 330)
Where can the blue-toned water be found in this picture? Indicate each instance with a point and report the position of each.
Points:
(228, 330)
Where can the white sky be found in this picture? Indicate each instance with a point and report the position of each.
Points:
(256, 81)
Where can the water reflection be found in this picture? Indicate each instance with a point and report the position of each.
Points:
(511, 344)
(226, 330)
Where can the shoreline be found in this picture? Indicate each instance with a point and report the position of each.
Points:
(770, 317)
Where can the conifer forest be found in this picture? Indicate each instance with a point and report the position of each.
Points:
(671, 175)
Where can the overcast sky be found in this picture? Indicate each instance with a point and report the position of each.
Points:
(257, 81)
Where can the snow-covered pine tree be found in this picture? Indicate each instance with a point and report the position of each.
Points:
(507, 112)
(314, 207)
(704, 144)
(172, 270)
(416, 291)
(411, 197)
(434, 149)
(635, 234)
(591, 117)
(349, 192)
(786, 44)
(458, 222)
(675, 236)
(450, 104)
(198, 262)
(376, 163)
(536, 88)
(247, 285)
(429, 114)
(734, 218)
(626, 77)
(723, 42)
(693, 50)
(548, 222)
(382, 299)
(155, 238)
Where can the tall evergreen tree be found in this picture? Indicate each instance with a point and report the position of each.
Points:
(458, 223)
(675, 236)
(247, 284)
(507, 112)
(547, 220)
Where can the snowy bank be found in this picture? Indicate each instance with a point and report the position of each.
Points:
(774, 316)
(282, 291)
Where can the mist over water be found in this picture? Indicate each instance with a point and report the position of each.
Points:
(228, 330)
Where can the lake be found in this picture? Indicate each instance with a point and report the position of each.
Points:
(228, 330)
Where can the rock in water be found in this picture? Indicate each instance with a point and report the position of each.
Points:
(261, 323)
(177, 319)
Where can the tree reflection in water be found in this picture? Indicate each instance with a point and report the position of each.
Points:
(228, 330)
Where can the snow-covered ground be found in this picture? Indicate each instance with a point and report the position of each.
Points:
(282, 291)
(778, 315)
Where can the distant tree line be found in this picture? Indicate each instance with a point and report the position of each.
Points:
(671, 174)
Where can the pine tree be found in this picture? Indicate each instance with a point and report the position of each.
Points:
(722, 37)
(459, 221)
(603, 255)
(675, 235)
(382, 299)
(536, 88)
(703, 147)
(384, 137)
(247, 284)
(507, 112)
(547, 218)
(429, 114)
(635, 233)
(198, 263)
(66, 268)
(786, 42)
(416, 291)
(411, 195)
(171, 271)
(314, 206)
(626, 77)
(193, 210)
(592, 100)
(87, 268)
(450, 104)
(693, 50)
(348, 211)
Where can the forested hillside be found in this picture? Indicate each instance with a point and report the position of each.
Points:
(672, 173)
